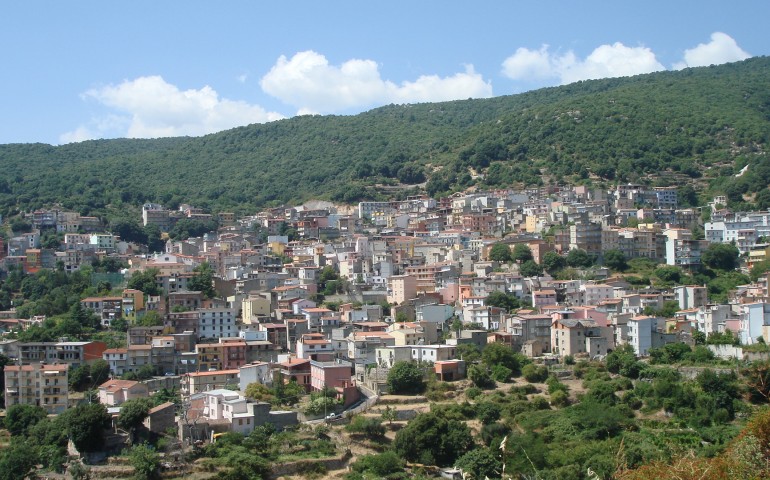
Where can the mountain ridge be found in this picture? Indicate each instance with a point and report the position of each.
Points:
(701, 123)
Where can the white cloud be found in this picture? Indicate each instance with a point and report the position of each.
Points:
(721, 49)
(608, 61)
(150, 107)
(308, 82)
(616, 60)
(528, 64)
(80, 134)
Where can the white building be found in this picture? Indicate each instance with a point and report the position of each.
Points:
(639, 331)
(754, 316)
(217, 322)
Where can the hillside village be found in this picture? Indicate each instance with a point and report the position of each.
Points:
(328, 298)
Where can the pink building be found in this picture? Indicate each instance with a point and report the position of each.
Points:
(336, 375)
(116, 392)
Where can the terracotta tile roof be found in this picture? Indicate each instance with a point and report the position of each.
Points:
(116, 385)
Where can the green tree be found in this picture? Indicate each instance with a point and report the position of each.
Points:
(100, 372)
(405, 377)
(151, 318)
(132, 414)
(578, 258)
(369, 427)
(85, 426)
(380, 465)
(17, 461)
(499, 354)
(145, 372)
(83, 317)
(487, 412)
(623, 361)
(203, 280)
(670, 307)
(480, 463)
(480, 376)
(19, 225)
(535, 374)
(259, 392)
(390, 414)
(500, 252)
(530, 269)
(146, 462)
(129, 231)
(668, 274)
(615, 260)
(507, 301)
(468, 352)
(721, 256)
(433, 440)
(145, 281)
(759, 269)
(80, 378)
(119, 324)
(20, 418)
(522, 253)
(553, 262)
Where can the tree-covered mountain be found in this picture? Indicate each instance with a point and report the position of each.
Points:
(703, 124)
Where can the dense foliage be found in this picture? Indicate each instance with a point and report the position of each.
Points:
(702, 123)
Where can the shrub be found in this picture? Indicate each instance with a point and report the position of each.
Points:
(535, 374)
(472, 392)
(480, 377)
(371, 428)
(494, 433)
(540, 403)
(523, 390)
(554, 385)
(405, 377)
(480, 463)
(381, 465)
(501, 374)
(560, 399)
(487, 412)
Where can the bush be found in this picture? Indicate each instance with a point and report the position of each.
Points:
(405, 377)
(371, 428)
(480, 463)
(487, 412)
(501, 374)
(480, 377)
(146, 462)
(493, 434)
(632, 400)
(554, 385)
(560, 399)
(381, 465)
(454, 411)
(523, 390)
(534, 374)
(431, 439)
(540, 403)
(472, 392)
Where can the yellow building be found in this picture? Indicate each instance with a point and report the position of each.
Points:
(42, 385)
(133, 301)
(758, 253)
(255, 306)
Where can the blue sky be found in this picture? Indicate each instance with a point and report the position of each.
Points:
(73, 71)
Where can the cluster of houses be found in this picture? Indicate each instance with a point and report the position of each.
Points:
(403, 272)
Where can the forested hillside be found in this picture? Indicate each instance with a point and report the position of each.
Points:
(703, 123)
